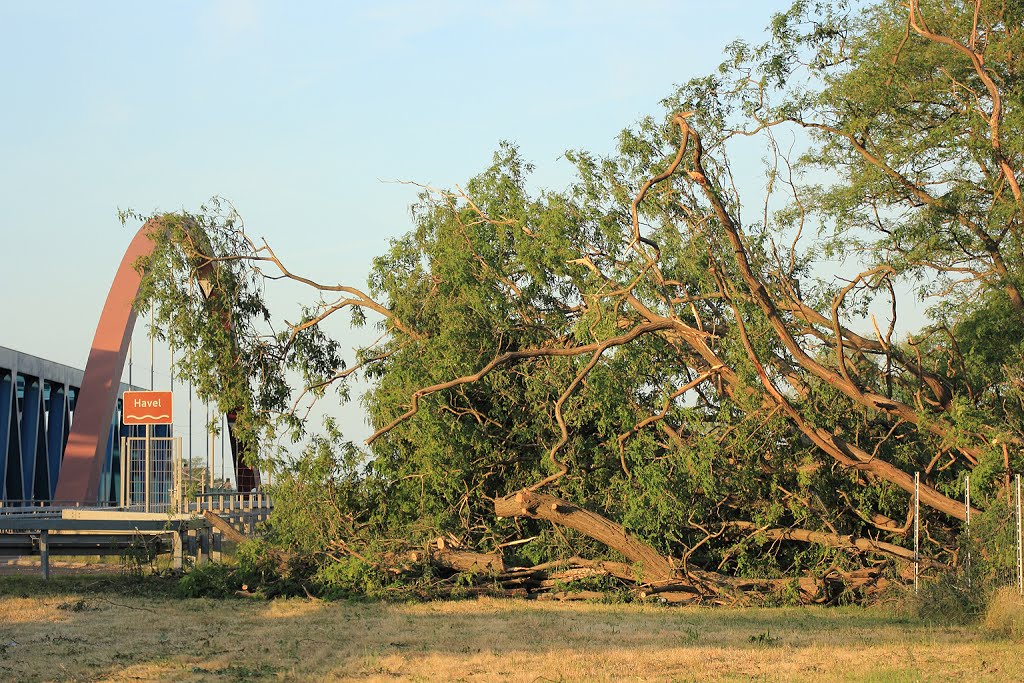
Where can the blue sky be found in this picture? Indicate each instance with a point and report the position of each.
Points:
(299, 113)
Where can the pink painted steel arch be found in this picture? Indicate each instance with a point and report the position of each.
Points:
(84, 455)
(82, 466)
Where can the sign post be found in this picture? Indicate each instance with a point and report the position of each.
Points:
(147, 408)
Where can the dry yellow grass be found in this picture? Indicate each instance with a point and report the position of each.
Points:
(1005, 614)
(107, 637)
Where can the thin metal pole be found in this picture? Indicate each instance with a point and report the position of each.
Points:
(44, 553)
(209, 437)
(213, 453)
(189, 433)
(1020, 544)
(967, 515)
(171, 368)
(124, 468)
(149, 452)
(917, 529)
(130, 345)
(152, 348)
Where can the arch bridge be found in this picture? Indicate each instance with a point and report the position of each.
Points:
(60, 428)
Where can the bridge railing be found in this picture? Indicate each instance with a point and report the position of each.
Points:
(227, 502)
(220, 501)
(44, 506)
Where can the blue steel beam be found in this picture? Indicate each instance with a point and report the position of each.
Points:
(58, 419)
(9, 446)
(34, 428)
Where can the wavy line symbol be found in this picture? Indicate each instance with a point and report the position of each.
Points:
(145, 417)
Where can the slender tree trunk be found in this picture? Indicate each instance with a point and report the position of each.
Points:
(834, 541)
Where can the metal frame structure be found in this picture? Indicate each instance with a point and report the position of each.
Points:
(38, 404)
(151, 473)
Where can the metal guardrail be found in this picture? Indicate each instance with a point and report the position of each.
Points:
(45, 527)
(241, 510)
(16, 512)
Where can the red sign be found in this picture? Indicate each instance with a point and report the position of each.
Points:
(147, 407)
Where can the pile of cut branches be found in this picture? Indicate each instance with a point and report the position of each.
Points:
(462, 572)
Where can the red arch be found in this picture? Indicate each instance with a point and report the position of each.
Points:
(84, 455)
(80, 471)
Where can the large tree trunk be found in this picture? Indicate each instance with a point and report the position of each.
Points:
(443, 554)
(653, 566)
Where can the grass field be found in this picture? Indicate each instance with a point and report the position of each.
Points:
(70, 630)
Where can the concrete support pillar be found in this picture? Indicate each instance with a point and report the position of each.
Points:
(44, 553)
(203, 554)
(178, 540)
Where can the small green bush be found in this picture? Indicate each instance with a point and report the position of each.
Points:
(346, 578)
(211, 580)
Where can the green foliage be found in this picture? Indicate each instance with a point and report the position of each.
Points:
(544, 338)
(992, 547)
(320, 495)
(977, 589)
(949, 600)
(207, 299)
(347, 578)
(765, 638)
(209, 580)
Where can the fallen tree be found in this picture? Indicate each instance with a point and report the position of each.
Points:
(703, 375)
(648, 562)
(580, 579)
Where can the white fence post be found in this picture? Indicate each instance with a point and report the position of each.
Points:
(967, 512)
(917, 530)
(1020, 544)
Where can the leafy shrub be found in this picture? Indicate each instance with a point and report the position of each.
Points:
(348, 577)
(210, 580)
(260, 570)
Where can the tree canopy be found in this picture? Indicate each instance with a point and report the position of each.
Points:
(702, 339)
